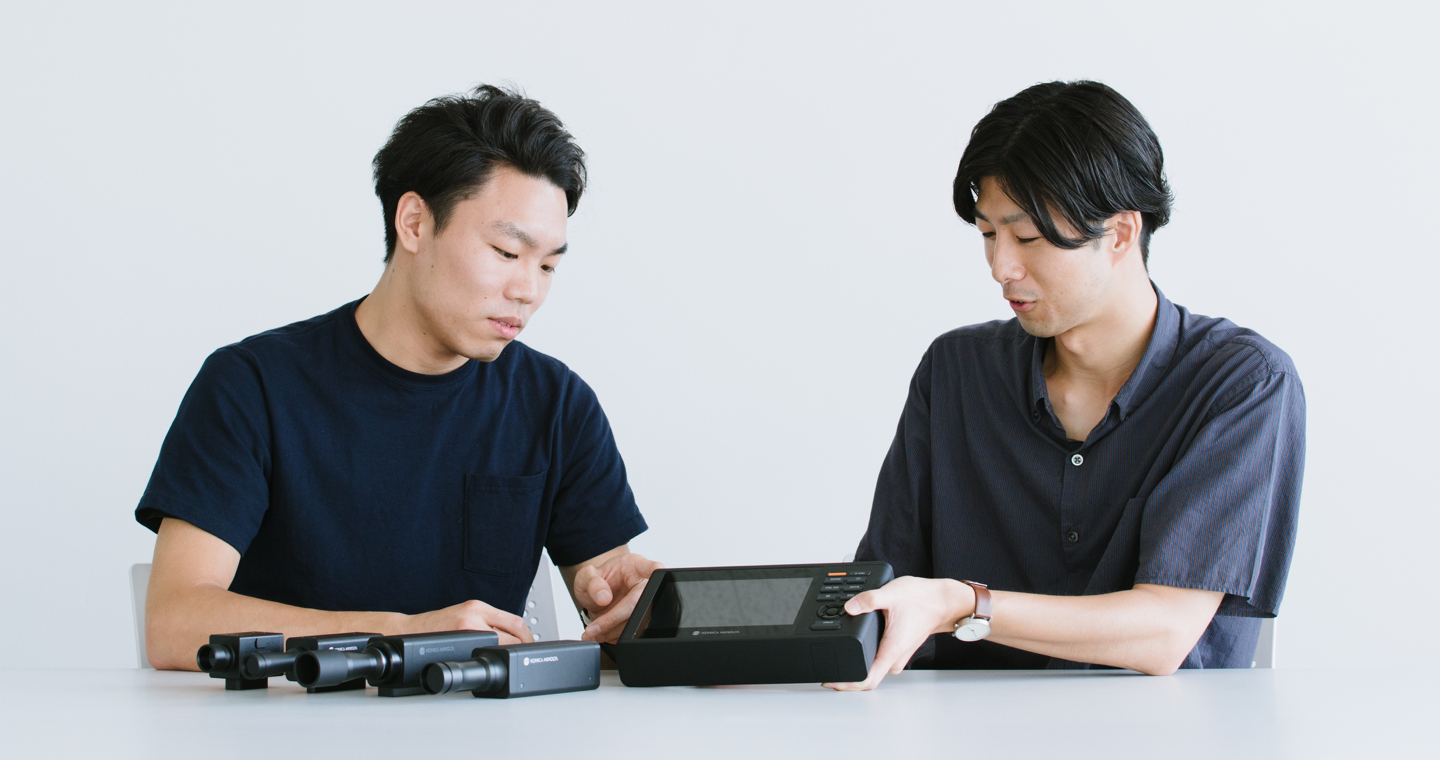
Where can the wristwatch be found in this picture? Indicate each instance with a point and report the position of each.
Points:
(977, 626)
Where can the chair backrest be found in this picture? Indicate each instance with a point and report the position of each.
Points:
(539, 607)
(1265, 649)
(139, 584)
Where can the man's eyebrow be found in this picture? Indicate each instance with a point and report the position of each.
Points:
(1018, 216)
(513, 230)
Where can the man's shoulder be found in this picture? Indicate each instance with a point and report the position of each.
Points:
(288, 340)
(997, 343)
(1220, 344)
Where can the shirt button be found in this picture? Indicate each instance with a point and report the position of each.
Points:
(1072, 536)
(1077, 460)
(1034, 414)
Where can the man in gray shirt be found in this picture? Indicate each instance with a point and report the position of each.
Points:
(1106, 479)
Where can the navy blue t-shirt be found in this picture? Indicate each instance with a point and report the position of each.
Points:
(348, 483)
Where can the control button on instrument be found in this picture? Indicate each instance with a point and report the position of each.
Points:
(830, 611)
(826, 625)
(827, 597)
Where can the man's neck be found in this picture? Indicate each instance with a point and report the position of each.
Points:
(1097, 357)
(395, 328)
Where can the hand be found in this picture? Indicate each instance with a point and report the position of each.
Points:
(914, 608)
(471, 616)
(608, 593)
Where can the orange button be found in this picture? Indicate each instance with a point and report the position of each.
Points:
(832, 575)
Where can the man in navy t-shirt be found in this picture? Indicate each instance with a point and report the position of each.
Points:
(398, 464)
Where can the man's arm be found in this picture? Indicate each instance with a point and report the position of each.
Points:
(1148, 628)
(606, 588)
(188, 600)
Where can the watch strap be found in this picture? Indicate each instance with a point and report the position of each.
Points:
(982, 600)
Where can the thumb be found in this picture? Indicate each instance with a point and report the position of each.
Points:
(591, 589)
(868, 601)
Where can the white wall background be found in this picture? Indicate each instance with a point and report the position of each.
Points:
(766, 249)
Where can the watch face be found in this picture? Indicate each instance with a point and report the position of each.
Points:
(971, 629)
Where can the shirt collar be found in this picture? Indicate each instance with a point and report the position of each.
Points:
(1157, 357)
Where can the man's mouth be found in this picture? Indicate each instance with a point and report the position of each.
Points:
(1021, 306)
(508, 327)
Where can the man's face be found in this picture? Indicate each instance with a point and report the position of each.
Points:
(1051, 289)
(478, 282)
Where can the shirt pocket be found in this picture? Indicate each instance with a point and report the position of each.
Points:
(502, 515)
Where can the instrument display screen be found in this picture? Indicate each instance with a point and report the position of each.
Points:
(728, 606)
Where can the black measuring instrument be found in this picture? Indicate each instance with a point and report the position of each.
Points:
(715, 626)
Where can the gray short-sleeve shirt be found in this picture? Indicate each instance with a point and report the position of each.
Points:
(1191, 480)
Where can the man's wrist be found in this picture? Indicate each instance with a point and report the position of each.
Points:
(959, 604)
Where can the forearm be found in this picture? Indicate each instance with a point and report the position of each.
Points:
(178, 621)
(1149, 628)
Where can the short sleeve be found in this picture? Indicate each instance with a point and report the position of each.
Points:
(213, 466)
(900, 515)
(594, 509)
(1224, 517)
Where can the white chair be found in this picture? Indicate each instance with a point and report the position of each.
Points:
(539, 606)
(139, 584)
(1265, 649)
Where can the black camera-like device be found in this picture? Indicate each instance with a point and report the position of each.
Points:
(752, 625)
(519, 670)
(268, 664)
(224, 655)
(391, 663)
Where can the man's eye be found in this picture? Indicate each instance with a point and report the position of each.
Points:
(987, 235)
(506, 255)
(1026, 240)
(548, 268)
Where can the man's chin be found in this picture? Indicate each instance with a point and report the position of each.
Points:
(1036, 328)
(486, 353)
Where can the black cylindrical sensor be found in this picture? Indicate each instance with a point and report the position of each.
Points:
(327, 667)
(267, 664)
(216, 657)
(481, 675)
(519, 670)
(222, 657)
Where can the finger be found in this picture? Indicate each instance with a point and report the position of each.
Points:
(610, 625)
(867, 601)
(591, 589)
(512, 625)
(896, 648)
(635, 568)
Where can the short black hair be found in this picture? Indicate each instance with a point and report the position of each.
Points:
(446, 149)
(1077, 148)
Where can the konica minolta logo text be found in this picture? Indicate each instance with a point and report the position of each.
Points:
(344, 649)
(710, 633)
(433, 650)
(528, 660)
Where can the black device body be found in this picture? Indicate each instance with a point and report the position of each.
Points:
(751, 625)
(268, 664)
(226, 652)
(390, 663)
(519, 670)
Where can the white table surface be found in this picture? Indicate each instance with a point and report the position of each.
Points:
(1286, 713)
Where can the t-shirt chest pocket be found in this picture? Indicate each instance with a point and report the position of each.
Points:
(502, 515)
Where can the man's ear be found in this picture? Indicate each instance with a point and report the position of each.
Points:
(413, 222)
(1125, 230)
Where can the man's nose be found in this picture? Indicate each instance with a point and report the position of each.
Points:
(1005, 261)
(524, 285)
